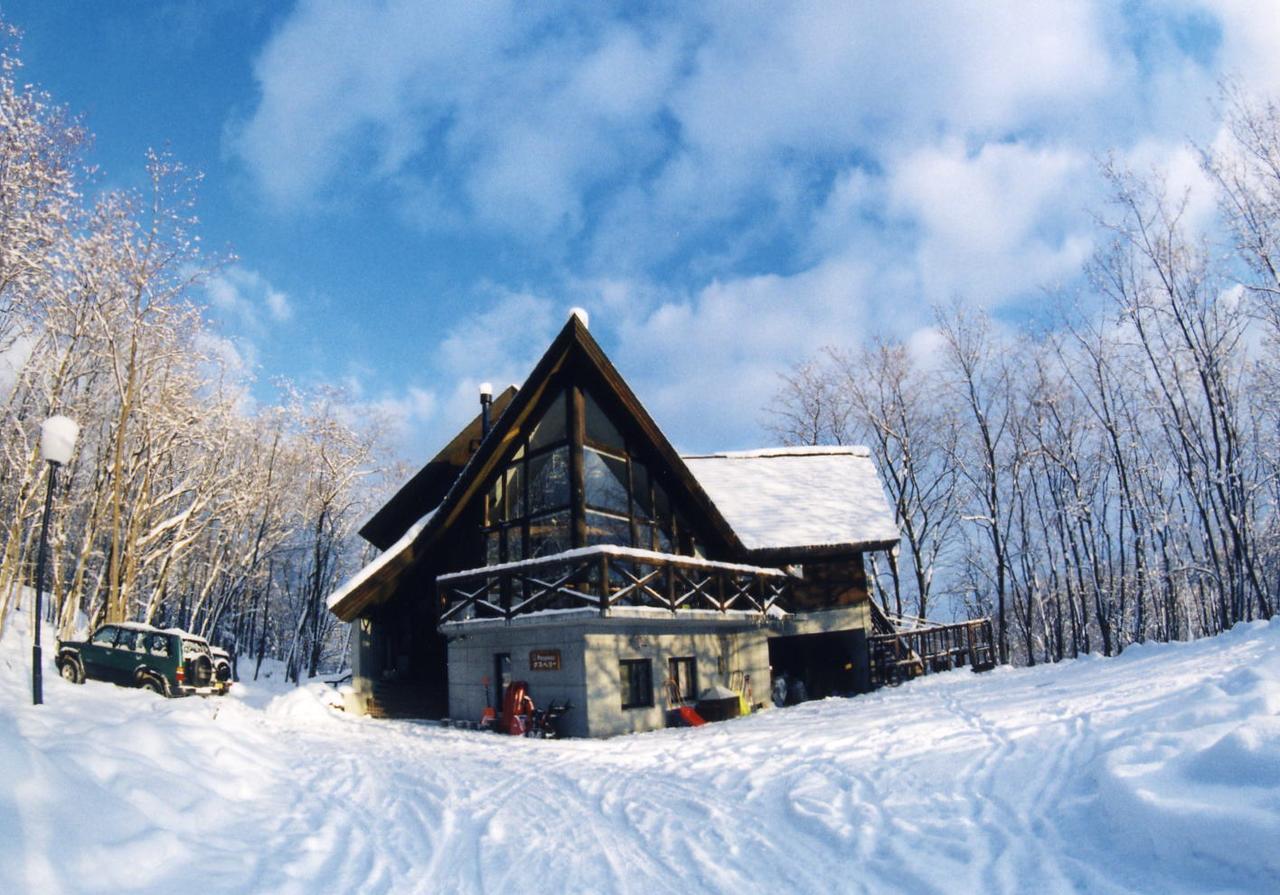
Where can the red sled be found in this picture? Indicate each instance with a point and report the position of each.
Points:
(689, 716)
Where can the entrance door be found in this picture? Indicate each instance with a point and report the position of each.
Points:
(501, 676)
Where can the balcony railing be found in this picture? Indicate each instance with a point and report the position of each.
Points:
(902, 654)
(604, 577)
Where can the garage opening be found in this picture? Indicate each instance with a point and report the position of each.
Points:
(816, 666)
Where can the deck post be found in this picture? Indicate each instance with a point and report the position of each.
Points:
(604, 584)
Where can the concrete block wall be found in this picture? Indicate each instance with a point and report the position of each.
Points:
(717, 654)
(589, 675)
(471, 659)
(364, 666)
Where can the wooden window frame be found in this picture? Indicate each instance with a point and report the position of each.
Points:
(625, 667)
(691, 663)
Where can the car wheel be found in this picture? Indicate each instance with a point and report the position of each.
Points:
(155, 685)
(70, 671)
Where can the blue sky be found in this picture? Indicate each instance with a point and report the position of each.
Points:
(417, 193)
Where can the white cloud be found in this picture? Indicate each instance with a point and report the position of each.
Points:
(242, 297)
(996, 223)
(705, 366)
(734, 185)
(518, 120)
(414, 405)
(278, 305)
(238, 359)
(1250, 32)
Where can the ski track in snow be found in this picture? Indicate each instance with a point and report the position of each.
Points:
(1158, 771)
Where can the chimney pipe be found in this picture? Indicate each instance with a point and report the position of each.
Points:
(486, 402)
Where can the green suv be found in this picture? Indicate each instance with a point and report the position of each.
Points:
(169, 662)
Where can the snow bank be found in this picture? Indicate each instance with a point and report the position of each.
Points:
(1198, 784)
(1158, 771)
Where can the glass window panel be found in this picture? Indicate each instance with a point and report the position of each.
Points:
(495, 510)
(548, 534)
(553, 427)
(606, 481)
(515, 491)
(640, 489)
(515, 542)
(600, 429)
(158, 645)
(662, 506)
(664, 541)
(605, 529)
(644, 535)
(492, 548)
(662, 512)
(635, 678)
(549, 480)
(106, 636)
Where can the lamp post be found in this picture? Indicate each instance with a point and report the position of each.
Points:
(57, 441)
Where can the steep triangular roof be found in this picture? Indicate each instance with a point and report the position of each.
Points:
(574, 344)
(431, 483)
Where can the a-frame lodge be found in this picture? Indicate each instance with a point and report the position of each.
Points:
(567, 544)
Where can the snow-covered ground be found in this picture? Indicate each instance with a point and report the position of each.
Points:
(1155, 772)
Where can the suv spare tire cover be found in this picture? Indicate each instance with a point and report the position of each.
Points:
(200, 671)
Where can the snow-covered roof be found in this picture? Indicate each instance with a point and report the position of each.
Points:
(399, 547)
(782, 498)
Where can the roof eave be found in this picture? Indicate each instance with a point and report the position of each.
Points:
(373, 590)
(774, 555)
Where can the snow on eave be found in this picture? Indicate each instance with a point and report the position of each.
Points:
(801, 450)
(734, 617)
(355, 581)
(636, 553)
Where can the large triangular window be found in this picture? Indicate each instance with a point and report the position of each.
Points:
(529, 511)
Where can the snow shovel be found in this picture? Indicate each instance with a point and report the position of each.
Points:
(740, 683)
(488, 717)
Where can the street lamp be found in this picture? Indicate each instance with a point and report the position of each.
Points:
(57, 441)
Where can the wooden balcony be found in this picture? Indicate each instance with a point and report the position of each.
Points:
(604, 577)
(902, 649)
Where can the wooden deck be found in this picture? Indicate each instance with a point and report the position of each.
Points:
(603, 577)
(902, 649)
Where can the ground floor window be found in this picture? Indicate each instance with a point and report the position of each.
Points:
(684, 679)
(636, 677)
